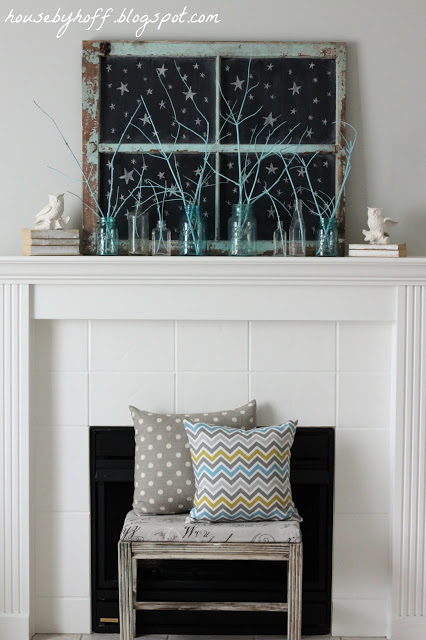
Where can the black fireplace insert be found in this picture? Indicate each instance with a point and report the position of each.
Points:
(312, 476)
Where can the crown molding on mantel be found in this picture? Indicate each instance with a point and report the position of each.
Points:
(225, 270)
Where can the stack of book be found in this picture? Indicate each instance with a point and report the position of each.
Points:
(60, 242)
(378, 250)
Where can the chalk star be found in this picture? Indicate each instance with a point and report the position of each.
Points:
(270, 212)
(267, 85)
(123, 88)
(295, 88)
(198, 121)
(148, 92)
(109, 164)
(109, 67)
(160, 175)
(271, 169)
(325, 121)
(202, 75)
(139, 65)
(325, 163)
(127, 176)
(290, 72)
(293, 111)
(272, 97)
(189, 95)
(269, 120)
(198, 171)
(315, 80)
(238, 84)
(162, 104)
(309, 133)
(206, 99)
(227, 67)
(145, 120)
(251, 96)
(230, 165)
(269, 66)
(312, 65)
(112, 106)
(161, 71)
(124, 70)
(315, 100)
(133, 161)
(301, 172)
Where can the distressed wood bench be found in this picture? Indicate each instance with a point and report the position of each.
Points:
(181, 546)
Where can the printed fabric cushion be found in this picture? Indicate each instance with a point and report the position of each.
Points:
(164, 479)
(241, 475)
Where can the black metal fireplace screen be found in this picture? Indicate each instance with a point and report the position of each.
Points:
(312, 475)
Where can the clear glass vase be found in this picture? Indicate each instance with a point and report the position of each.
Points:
(280, 240)
(107, 237)
(326, 239)
(297, 232)
(138, 232)
(242, 231)
(192, 233)
(161, 240)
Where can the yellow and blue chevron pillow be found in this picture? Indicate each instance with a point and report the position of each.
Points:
(241, 475)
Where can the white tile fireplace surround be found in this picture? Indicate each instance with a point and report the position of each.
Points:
(337, 342)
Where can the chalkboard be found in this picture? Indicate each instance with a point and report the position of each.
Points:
(299, 87)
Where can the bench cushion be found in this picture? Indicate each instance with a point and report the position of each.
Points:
(173, 528)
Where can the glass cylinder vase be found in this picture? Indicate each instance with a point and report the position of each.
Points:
(138, 232)
(280, 240)
(242, 231)
(107, 237)
(297, 232)
(192, 233)
(161, 240)
(326, 239)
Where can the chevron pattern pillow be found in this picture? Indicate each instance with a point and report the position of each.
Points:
(241, 475)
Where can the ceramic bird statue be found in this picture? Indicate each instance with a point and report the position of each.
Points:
(50, 217)
(378, 227)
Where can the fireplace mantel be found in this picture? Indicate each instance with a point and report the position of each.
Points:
(329, 289)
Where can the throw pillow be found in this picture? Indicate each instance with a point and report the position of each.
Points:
(164, 479)
(241, 475)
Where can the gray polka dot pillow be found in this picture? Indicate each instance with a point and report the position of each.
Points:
(164, 478)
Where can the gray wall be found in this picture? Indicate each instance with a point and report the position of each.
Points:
(386, 97)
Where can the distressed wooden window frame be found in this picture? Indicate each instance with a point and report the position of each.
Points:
(93, 51)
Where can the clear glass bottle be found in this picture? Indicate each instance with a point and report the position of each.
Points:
(138, 232)
(192, 233)
(161, 240)
(297, 232)
(107, 237)
(326, 239)
(280, 240)
(242, 231)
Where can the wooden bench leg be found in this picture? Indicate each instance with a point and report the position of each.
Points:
(125, 589)
(294, 592)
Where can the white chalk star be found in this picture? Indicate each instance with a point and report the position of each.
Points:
(230, 165)
(267, 85)
(162, 71)
(124, 70)
(315, 100)
(238, 84)
(227, 67)
(269, 120)
(269, 66)
(189, 95)
(112, 106)
(196, 65)
(325, 163)
(309, 133)
(123, 88)
(301, 172)
(139, 65)
(109, 164)
(198, 121)
(325, 121)
(312, 65)
(251, 96)
(293, 111)
(109, 67)
(295, 88)
(127, 176)
(315, 80)
(160, 175)
(162, 104)
(198, 171)
(271, 169)
(145, 120)
(148, 92)
(270, 212)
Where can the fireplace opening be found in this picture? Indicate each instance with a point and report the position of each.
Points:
(312, 478)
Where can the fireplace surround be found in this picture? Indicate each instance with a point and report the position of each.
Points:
(333, 341)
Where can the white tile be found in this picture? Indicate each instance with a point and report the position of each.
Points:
(365, 346)
(362, 471)
(111, 394)
(60, 399)
(60, 345)
(62, 469)
(293, 346)
(55, 636)
(308, 397)
(359, 618)
(62, 553)
(132, 345)
(210, 391)
(363, 400)
(361, 556)
(212, 346)
(62, 615)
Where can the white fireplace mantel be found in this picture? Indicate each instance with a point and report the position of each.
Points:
(88, 288)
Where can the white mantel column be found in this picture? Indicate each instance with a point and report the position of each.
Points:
(14, 462)
(409, 496)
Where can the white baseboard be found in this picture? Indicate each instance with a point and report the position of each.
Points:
(14, 627)
(408, 628)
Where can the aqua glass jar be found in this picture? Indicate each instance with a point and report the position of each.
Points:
(192, 233)
(326, 239)
(107, 237)
(242, 231)
(138, 232)
(161, 240)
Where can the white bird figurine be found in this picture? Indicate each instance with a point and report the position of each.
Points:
(378, 227)
(50, 217)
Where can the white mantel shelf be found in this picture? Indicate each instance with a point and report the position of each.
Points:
(122, 269)
(218, 289)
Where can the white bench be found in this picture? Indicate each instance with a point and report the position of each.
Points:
(169, 538)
